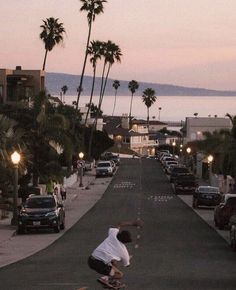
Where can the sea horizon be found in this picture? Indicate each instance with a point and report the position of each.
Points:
(173, 108)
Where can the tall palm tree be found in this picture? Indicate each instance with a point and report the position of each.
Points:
(94, 50)
(64, 89)
(52, 34)
(149, 99)
(93, 8)
(133, 86)
(112, 53)
(115, 85)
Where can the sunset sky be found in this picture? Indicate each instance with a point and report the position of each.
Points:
(181, 42)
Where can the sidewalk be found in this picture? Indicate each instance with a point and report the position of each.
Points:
(79, 200)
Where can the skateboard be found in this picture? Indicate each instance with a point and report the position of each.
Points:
(110, 286)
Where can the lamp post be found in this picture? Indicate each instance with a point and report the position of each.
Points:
(15, 158)
(188, 150)
(210, 159)
(81, 156)
(173, 144)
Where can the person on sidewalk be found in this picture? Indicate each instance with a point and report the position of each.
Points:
(104, 259)
(63, 192)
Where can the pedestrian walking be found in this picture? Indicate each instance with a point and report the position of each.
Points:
(63, 192)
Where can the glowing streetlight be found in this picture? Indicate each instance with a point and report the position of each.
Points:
(210, 159)
(188, 150)
(81, 156)
(174, 144)
(15, 158)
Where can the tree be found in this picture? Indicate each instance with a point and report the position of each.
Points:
(64, 89)
(95, 51)
(111, 53)
(52, 34)
(115, 85)
(149, 99)
(133, 86)
(93, 8)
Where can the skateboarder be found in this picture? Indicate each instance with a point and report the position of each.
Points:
(104, 259)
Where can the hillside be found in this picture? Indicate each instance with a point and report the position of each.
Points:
(54, 82)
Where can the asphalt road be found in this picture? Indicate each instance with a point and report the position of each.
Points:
(176, 249)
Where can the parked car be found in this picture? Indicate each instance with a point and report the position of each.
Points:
(41, 211)
(225, 210)
(206, 195)
(177, 170)
(185, 183)
(169, 163)
(170, 167)
(104, 168)
(232, 235)
(116, 159)
(88, 165)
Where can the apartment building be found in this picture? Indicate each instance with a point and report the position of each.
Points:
(18, 85)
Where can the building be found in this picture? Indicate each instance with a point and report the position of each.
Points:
(17, 86)
(136, 138)
(196, 126)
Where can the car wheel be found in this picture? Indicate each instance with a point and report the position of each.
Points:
(232, 238)
(20, 230)
(220, 226)
(62, 226)
(57, 228)
(195, 203)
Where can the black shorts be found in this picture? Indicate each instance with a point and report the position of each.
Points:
(99, 266)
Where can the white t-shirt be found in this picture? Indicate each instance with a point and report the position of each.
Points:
(112, 249)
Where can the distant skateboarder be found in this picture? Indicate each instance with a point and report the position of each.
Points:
(104, 259)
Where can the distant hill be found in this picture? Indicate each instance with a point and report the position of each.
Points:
(54, 82)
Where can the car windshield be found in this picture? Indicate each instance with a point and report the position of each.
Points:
(209, 189)
(46, 202)
(104, 164)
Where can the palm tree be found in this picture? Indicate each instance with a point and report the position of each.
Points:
(93, 8)
(149, 99)
(133, 86)
(115, 85)
(111, 53)
(95, 51)
(64, 89)
(52, 34)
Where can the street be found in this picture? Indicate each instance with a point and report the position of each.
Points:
(175, 249)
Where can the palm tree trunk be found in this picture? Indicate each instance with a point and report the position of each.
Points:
(105, 84)
(114, 103)
(148, 119)
(100, 97)
(84, 65)
(91, 96)
(45, 58)
(130, 109)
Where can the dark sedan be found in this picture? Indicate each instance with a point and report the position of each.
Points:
(225, 210)
(41, 211)
(207, 196)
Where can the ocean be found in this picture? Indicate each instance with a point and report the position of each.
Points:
(173, 108)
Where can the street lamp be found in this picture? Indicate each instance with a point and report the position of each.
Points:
(81, 156)
(188, 150)
(174, 144)
(210, 159)
(15, 158)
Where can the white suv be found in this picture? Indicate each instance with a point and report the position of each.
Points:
(104, 168)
